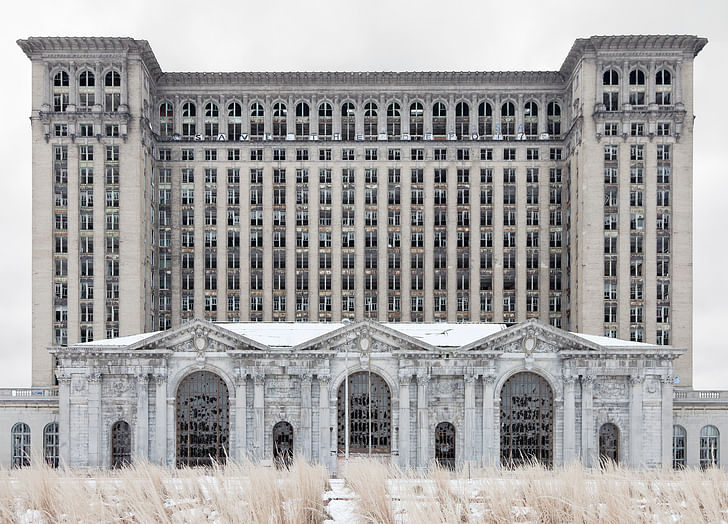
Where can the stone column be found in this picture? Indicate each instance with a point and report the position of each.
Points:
(94, 420)
(241, 413)
(160, 429)
(141, 430)
(404, 418)
(488, 420)
(422, 421)
(587, 419)
(259, 410)
(324, 432)
(635, 421)
(469, 429)
(98, 89)
(306, 415)
(64, 418)
(569, 420)
(667, 384)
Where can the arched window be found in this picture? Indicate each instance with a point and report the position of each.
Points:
(527, 406)
(166, 119)
(370, 120)
(530, 119)
(282, 444)
(234, 120)
(663, 87)
(508, 119)
(637, 87)
(553, 118)
(610, 90)
(394, 120)
(709, 447)
(60, 91)
(20, 441)
(50, 444)
(445, 445)
(189, 119)
(439, 120)
(417, 119)
(112, 91)
(257, 115)
(120, 444)
(348, 120)
(86, 91)
(280, 116)
(302, 120)
(485, 119)
(202, 420)
(368, 413)
(609, 444)
(326, 120)
(679, 438)
(462, 120)
(212, 119)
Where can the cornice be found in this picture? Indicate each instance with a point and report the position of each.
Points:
(690, 45)
(38, 47)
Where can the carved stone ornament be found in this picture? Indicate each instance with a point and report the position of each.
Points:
(611, 388)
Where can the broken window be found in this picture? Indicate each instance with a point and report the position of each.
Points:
(663, 88)
(608, 444)
(610, 90)
(553, 119)
(50, 444)
(348, 121)
(679, 436)
(120, 444)
(439, 120)
(189, 117)
(508, 119)
(20, 436)
(86, 91)
(526, 420)
(462, 120)
(60, 91)
(394, 120)
(257, 113)
(530, 119)
(709, 447)
(280, 115)
(637, 87)
(370, 120)
(235, 123)
(325, 120)
(366, 413)
(282, 444)
(202, 420)
(445, 445)
(485, 119)
(212, 119)
(112, 91)
(417, 118)
(302, 120)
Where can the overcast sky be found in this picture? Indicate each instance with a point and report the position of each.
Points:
(369, 35)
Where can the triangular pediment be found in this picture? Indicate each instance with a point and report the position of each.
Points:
(530, 337)
(198, 336)
(364, 336)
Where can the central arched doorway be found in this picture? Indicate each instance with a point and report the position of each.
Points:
(202, 420)
(445, 445)
(369, 414)
(608, 443)
(526, 416)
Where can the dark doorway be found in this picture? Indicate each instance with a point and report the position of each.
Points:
(282, 444)
(445, 445)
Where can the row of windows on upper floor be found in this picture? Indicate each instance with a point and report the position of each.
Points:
(86, 91)
(371, 154)
(462, 127)
(637, 89)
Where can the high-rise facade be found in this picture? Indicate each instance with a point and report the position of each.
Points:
(564, 196)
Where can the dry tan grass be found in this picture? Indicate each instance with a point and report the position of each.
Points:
(248, 493)
(144, 493)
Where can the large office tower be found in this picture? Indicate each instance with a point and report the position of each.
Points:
(564, 196)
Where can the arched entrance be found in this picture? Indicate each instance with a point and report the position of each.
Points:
(120, 444)
(369, 414)
(445, 445)
(526, 418)
(283, 444)
(608, 443)
(202, 420)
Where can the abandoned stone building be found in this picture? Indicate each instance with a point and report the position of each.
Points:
(499, 262)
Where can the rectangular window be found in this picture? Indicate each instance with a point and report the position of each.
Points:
(555, 153)
(509, 153)
(486, 153)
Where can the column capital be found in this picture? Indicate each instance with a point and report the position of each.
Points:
(93, 377)
(306, 378)
(141, 379)
(259, 378)
(569, 380)
(668, 380)
(405, 376)
(636, 380)
(323, 379)
(160, 378)
(489, 379)
(469, 378)
(423, 379)
(63, 377)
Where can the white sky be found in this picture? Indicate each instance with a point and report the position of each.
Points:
(482, 35)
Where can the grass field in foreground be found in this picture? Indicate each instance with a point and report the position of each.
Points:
(370, 492)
